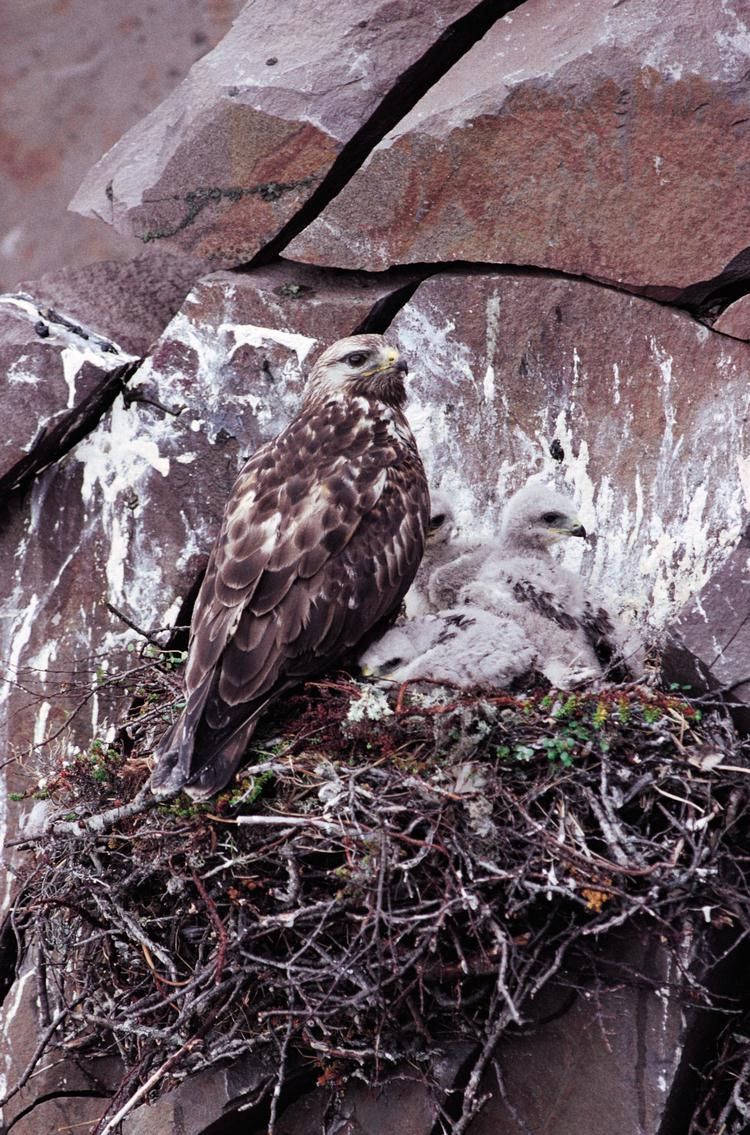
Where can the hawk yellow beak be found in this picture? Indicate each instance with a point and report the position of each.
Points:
(391, 356)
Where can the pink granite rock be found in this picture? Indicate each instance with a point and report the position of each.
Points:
(129, 301)
(64, 340)
(565, 1078)
(708, 643)
(54, 1098)
(608, 140)
(74, 77)
(57, 377)
(221, 166)
(735, 319)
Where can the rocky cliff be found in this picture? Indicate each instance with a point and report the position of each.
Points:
(545, 206)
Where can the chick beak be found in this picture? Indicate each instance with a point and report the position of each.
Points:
(578, 530)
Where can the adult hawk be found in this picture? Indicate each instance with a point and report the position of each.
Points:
(321, 538)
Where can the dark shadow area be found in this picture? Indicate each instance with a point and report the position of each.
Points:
(11, 949)
(706, 1075)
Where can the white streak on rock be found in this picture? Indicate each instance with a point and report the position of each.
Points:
(40, 724)
(89, 345)
(247, 334)
(743, 470)
(18, 372)
(114, 457)
(118, 462)
(12, 1004)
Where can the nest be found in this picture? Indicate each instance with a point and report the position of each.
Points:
(392, 872)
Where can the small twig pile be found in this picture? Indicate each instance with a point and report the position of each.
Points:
(391, 873)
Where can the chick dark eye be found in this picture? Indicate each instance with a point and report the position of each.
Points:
(356, 358)
(436, 521)
(551, 517)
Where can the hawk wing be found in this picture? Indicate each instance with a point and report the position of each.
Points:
(601, 632)
(321, 538)
(545, 603)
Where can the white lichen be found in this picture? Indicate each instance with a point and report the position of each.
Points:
(371, 705)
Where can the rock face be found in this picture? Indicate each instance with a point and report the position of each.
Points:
(533, 142)
(74, 77)
(708, 647)
(581, 138)
(735, 320)
(200, 1102)
(130, 301)
(70, 371)
(80, 1088)
(634, 409)
(572, 1065)
(228, 159)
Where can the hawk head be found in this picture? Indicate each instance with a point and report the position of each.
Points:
(361, 365)
(536, 517)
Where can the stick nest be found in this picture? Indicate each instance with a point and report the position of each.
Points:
(389, 872)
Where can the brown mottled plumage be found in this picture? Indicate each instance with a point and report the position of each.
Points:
(321, 538)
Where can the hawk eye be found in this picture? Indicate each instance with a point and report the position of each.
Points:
(356, 358)
(551, 517)
(436, 521)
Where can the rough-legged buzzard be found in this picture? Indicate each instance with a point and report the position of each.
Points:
(321, 538)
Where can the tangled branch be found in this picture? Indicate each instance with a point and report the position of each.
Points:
(404, 871)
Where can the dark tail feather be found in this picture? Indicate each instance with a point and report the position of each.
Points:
(168, 777)
(180, 766)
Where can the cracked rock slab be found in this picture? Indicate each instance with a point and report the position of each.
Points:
(129, 301)
(608, 140)
(627, 1038)
(227, 159)
(202, 1100)
(735, 319)
(61, 1094)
